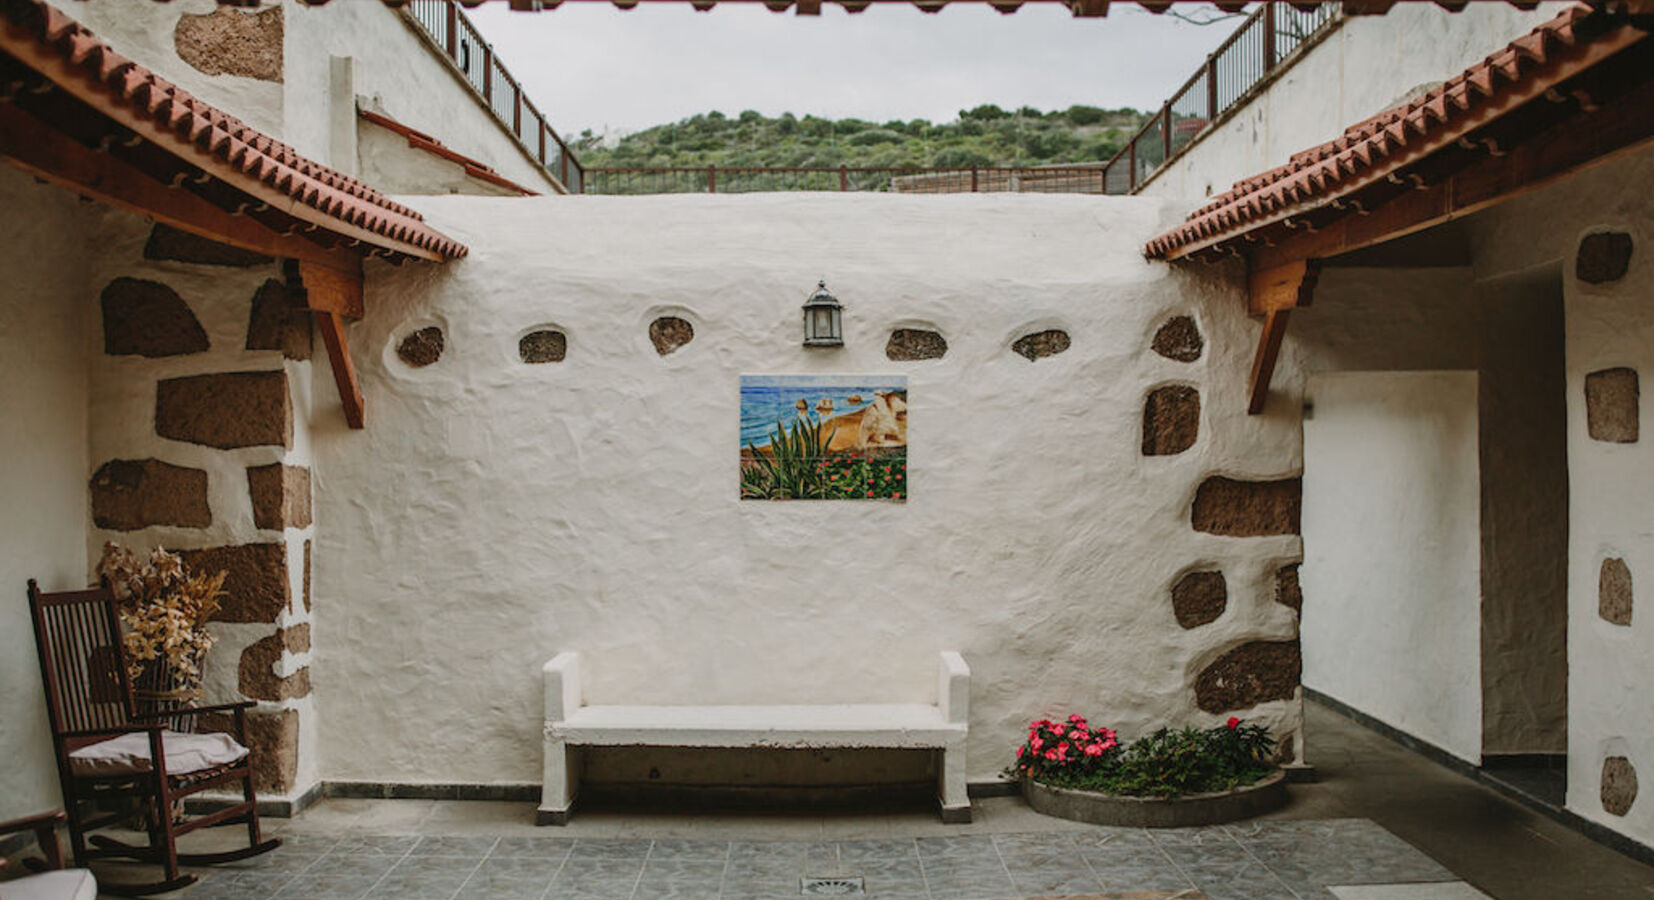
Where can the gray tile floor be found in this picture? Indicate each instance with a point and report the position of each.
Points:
(1280, 860)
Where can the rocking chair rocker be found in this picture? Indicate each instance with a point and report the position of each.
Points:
(109, 754)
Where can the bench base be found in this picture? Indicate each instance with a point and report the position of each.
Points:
(956, 815)
(552, 816)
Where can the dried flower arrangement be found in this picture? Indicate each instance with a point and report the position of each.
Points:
(164, 611)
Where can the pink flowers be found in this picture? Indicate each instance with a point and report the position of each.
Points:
(1069, 746)
(1234, 722)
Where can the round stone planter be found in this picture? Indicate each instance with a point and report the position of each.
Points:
(1257, 798)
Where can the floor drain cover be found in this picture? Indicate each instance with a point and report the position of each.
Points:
(833, 887)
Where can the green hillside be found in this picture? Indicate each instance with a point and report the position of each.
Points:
(984, 136)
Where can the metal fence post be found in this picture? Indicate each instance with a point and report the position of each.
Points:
(1268, 37)
(975, 184)
(1211, 89)
(712, 179)
(488, 75)
(843, 178)
(453, 31)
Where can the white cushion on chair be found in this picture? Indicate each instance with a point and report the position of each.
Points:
(65, 884)
(129, 753)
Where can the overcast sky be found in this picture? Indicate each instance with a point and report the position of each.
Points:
(591, 65)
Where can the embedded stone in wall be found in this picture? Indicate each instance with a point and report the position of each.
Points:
(915, 343)
(1614, 592)
(281, 495)
(1611, 405)
(1041, 343)
(168, 243)
(1253, 673)
(1619, 785)
(1179, 338)
(1234, 508)
(278, 323)
(1288, 592)
(147, 318)
(421, 348)
(256, 588)
(273, 738)
(306, 576)
(1199, 598)
(231, 409)
(256, 673)
(231, 42)
(129, 494)
(545, 346)
(1604, 256)
(668, 333)
(1171, 420)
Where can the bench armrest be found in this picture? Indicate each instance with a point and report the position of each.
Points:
(563, 693)
(953, 688)
(44, 827)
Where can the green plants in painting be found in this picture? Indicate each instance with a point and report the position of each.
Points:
(806, 437)
(1164, 763)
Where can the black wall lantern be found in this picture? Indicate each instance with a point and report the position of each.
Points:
(823, 319)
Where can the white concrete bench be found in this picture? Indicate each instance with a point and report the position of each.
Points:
(571, 724)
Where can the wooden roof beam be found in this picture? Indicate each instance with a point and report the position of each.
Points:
(1275, 293)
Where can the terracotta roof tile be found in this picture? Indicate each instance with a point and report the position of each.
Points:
(1323, 171)
(251, 153)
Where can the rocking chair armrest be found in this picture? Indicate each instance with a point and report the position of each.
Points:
(180, 711)
(44, 827)
(109, 730)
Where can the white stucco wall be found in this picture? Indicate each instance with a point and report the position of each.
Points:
(1392, 574)
(43, 390)
(1609, 681)
(494, 513)
(396, 70)
(1366, 66)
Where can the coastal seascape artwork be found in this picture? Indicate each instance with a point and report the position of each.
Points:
(824, 437)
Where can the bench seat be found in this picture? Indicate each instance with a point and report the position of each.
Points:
(569, 723)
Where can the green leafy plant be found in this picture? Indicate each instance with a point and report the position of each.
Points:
(1165, 763)
(788, 468)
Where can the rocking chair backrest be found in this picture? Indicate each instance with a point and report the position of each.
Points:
(78, 636)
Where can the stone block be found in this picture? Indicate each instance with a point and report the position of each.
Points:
(281, 496)
(1619, 785)
(1199, 598)
(1603, 257)
(1171, 420)
(229, 41)
(1041, 344)
(273, 738)
(256, 589)
(1179, 339)
(1288, 592)
(422, 348)
(168, 243)
(129, 494)
(1250, 674)
(147, 318)
(546, 346)
(915, 343)
(256, 672)
(276, 322)
(1611, 398)
(1236, 508)
(668, 333)
(227, 410)
(1614, 592)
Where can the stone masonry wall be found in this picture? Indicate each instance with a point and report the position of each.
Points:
(199, 434)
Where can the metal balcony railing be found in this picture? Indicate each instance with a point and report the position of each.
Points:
(1264, 43)
(1077, 179)
(451, 34)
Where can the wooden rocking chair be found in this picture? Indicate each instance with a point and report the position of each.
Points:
(110, 756)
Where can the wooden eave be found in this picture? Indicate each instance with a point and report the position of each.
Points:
(1584, 106)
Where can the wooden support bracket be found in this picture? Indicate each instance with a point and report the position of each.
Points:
(1275, 293)
(332, 296)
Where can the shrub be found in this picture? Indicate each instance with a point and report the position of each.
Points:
(1166, 763)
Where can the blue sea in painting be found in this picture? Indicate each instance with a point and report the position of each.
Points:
(767, 399)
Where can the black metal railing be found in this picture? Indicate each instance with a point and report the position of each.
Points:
(452, 35)
(1265, 42)
(1076, 179)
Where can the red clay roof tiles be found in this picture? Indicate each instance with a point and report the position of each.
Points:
(248, 152)
(1324, 172)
